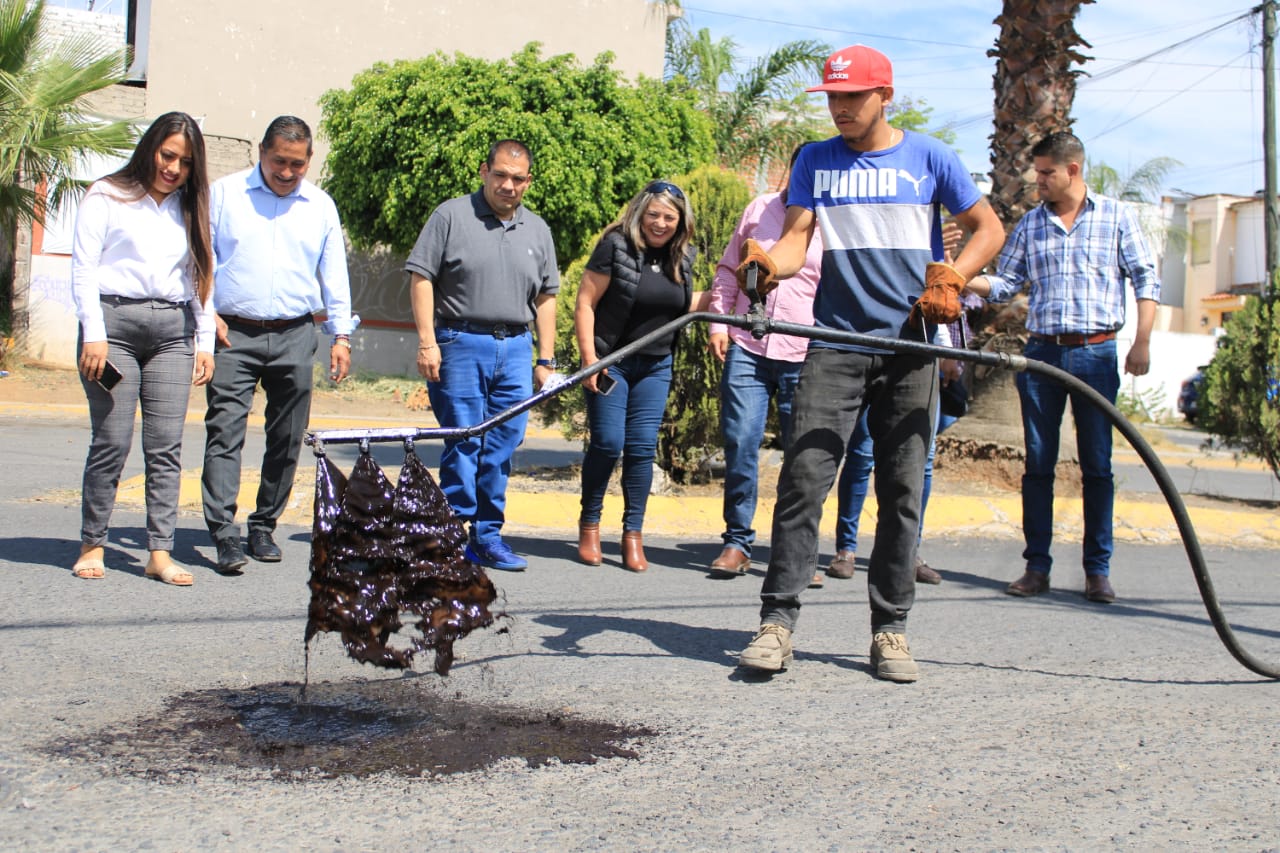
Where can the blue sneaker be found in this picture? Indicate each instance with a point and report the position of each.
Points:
(496, 555)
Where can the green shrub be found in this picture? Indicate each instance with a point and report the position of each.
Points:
(1240, 397)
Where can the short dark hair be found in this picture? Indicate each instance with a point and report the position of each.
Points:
(1062, 147)
(288, 128)
(509, 143)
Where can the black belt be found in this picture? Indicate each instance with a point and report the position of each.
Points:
(497, 330)
(112, 299)
(231, 320)
(1078, 340)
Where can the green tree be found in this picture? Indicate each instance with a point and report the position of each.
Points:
(44, 129)
(758, 113)
(691, 428)
(1141, 186)
(408, 135)
(907, 113)
(1240, 395)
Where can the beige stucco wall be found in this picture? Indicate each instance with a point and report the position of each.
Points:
(240, 63)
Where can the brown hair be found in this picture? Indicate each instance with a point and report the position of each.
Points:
(136, 177)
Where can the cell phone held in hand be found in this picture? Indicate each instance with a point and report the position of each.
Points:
(110, 377)
(604, 384)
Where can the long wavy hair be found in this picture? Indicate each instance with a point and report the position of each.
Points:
(632, 216)
(136, 177)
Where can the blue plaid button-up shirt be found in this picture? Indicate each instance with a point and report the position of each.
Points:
(1077, 276)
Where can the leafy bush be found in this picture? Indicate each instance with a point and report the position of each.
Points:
(691, 428)
(409, 135)
(1240, 397)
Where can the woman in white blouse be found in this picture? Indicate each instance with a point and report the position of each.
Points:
(142, 277)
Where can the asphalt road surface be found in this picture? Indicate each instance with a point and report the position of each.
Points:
(1037, 724)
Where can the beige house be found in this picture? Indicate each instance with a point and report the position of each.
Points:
(1224, 259)
(236, 64)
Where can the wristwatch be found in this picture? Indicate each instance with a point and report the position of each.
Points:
(342, 341)
(547, 362)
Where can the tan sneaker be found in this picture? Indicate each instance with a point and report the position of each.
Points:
(770, 649)
(892, 659)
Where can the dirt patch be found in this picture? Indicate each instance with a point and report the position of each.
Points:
(345, 729)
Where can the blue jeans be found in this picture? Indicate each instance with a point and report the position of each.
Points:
(900, 393)
(855, 477)
(746, 385)
(480, 376)
(1043, 404)
(624, 423)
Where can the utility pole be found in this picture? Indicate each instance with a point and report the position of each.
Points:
(1272, 208)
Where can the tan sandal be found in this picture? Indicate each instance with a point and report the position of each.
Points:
(90, 569)
(171, 574)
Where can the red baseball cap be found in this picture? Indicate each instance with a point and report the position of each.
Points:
(856, 68)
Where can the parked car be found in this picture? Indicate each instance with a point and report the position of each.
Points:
(1189, 396)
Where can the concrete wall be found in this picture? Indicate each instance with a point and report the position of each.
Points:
(240, 63)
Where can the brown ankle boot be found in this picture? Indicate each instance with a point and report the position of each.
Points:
(589, 542)
(633, 551)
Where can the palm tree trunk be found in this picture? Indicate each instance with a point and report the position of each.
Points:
(1035, 86)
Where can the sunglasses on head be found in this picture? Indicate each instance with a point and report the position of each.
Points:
(664, 187)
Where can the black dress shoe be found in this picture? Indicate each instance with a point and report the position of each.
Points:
(1098, 588)
(1031, 583)
(263, 548)
(230, 558)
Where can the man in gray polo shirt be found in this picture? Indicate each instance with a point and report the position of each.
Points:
(484, 266)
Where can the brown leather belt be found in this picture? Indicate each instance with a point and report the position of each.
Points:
(1076, 340)
(232, 320)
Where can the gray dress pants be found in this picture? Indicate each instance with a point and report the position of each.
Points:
(281, 360)
(152, 343)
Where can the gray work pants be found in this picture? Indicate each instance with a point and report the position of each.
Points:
(834, 387)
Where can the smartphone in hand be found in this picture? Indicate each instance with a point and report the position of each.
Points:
(110, 377)
(604, 384)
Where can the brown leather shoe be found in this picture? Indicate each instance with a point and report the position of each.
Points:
(842, 566)
(818, 581)
(1030, 584)
(589, 543)
(633, 551)
(1098, 588)
(731, 563)
(925, 573)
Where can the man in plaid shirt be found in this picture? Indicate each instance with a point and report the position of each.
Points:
(1075, 250)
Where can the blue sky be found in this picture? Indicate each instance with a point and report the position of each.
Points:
(1200, 103)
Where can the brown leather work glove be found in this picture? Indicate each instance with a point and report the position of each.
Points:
(766, 274)
(940, 302)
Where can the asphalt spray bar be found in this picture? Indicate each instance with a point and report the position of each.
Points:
(756, 322)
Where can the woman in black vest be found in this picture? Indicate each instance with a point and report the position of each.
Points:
(639, 278)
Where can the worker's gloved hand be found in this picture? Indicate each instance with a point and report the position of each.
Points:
(767, 270)
(940, 302)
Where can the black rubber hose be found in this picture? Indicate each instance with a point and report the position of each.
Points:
(759, 325)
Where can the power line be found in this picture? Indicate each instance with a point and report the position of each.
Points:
(1159, 104)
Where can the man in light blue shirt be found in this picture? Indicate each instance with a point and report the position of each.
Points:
(1075, 250)
(281, 260)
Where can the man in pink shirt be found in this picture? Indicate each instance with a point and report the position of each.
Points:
(756, 370)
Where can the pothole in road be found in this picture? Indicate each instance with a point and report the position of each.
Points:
(346, 729)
